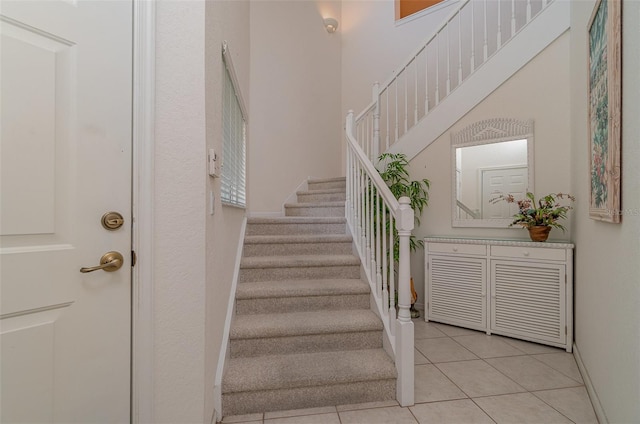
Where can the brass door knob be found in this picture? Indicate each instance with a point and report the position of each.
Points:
(109, 262)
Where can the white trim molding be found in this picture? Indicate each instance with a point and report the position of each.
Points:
(593, 396)
(142, 327)
(224, 348)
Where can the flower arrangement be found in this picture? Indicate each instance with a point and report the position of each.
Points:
(545, 212)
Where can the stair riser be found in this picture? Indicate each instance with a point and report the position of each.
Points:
(249, 275)
(302, 304)
(327, 185)
(294, 229)
(305, 344)
(308, 397)
(314, 211)
(282, 249)
(324, 197)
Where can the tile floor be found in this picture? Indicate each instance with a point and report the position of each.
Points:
(465, 376)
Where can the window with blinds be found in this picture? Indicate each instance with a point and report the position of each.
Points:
(234, 137)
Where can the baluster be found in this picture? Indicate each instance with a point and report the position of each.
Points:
(378, 252)
(415, 93)
(406, 100)
(376, 120)
(366, 247)
(529, 9)
(459, 48)
(347, 202)
(372, 240)
(391, 304)
(448, 59)
(426, 80)
(388, 113)
(361, 212)
(513, 17)
(397, 117)
(544, 4)
(486, 46)
(437, 93)
(385, 293)
(473, 38)
(499, 35)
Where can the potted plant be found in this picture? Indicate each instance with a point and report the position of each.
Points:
(541, 215)
(395, 175)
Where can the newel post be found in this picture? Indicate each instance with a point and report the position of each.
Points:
(375, 151)
(404, 325)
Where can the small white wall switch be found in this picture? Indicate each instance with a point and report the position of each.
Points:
(214, 167)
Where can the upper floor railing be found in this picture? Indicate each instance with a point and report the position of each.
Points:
(467, 38)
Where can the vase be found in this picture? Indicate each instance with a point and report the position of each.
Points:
(539, 232)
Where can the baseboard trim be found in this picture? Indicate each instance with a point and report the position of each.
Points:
(595, 401)
(224, 348)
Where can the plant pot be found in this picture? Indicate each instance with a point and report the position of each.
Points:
(539, 233)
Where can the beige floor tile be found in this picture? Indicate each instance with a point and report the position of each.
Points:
(443, 350)
(431, 385)
(477, 378)
(563, 362)
(530, 348)
(419, 358)
(452, 330)
(425, 330)
(574, 403)
(487, 346)
(307, 419)
(367, 405)
(522, 408)
(299, 412)
(451, 412)
(242, 418)
(531, 374)
(391, 415)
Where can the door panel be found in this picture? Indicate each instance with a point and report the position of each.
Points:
(65, 160)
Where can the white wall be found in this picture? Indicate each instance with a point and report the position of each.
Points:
(526, 95)
(195, 251)
(373, 46)
(180, 202)
(225, 21)
(607, 275)
(295, 82)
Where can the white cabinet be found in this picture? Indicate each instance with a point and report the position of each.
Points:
(514, 288)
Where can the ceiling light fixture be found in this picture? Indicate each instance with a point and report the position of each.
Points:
(331, 25)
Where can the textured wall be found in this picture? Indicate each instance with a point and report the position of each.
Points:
(295, 122)
(524, 96)
(225, 21)
(607, 289)
(180, 203)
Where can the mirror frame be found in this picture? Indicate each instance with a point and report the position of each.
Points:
(489, 131)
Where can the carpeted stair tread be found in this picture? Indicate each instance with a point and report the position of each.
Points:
(321, 191)
(327, 180)
(304, 323)
(298, 238)
(331, 204)
(298, 220)
(307, 369)
(298, 261)
(300, 288)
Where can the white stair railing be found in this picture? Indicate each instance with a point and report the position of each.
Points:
(376, 220)
(470, 35)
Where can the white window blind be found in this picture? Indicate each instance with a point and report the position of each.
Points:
(234, 139)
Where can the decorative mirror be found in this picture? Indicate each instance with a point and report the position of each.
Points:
(490, 158)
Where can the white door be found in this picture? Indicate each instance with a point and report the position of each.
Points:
(502, 181)
(65, 161)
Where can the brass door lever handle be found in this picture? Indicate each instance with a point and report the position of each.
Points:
(109, 262)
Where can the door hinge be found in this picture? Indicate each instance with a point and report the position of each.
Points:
(134, 258)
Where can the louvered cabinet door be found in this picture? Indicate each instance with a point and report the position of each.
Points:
(456, 291)
(528, 300)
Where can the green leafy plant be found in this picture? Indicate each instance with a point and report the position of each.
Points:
(545, 212)
(395, 175)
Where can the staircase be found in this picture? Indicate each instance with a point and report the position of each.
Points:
(304, 334)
